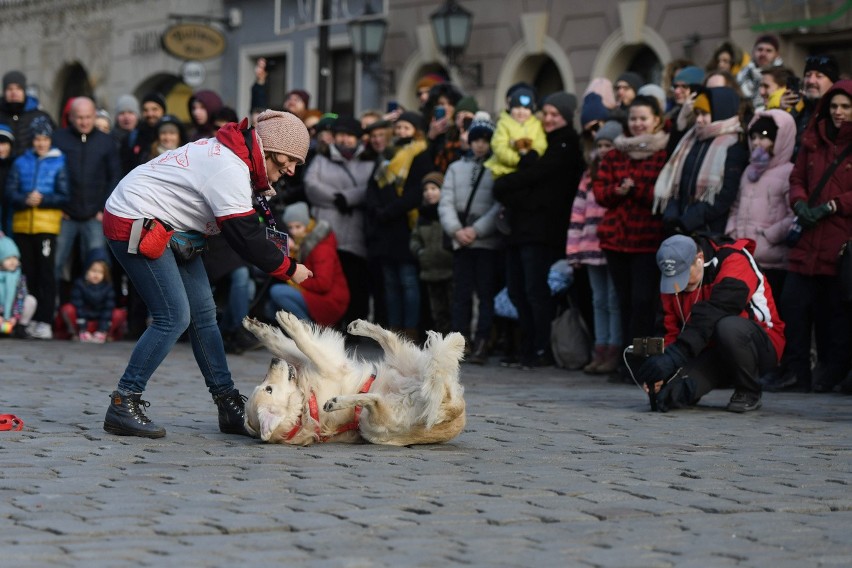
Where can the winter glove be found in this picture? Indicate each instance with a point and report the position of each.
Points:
(528, 159)
(805, 214)
(661, 367)
(821, 212)
(341, 204)
(677, 393)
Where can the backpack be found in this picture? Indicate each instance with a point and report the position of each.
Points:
(570, 340)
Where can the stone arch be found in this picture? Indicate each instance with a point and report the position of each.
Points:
(525, 64)
(172, 87)
(615, 53)
(72, 80)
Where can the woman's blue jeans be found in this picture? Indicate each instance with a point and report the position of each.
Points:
(402, 294)
(287, 298)
(178, 297)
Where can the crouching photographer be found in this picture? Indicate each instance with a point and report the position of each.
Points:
(722, 326)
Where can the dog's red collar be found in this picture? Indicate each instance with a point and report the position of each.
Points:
(313, 408)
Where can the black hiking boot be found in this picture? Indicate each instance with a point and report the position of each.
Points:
(232, 412)
(126, 417)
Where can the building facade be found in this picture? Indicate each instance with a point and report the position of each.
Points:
(105, 48)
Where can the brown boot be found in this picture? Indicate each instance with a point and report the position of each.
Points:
(597, 360)
(612, 358)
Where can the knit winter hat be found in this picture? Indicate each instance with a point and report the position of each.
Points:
(41, 126)
(656, 91)
(691, 75)
(481, 127)
(127, 103)
(702, 102)
(593, 109)
(412, 118)
(8, 248)
(764, 126)
(432, 177)
(347, 125)
(6, 134)
(633, 79)
(297, 213)
(523, 97)
(825, 64)
(468, 104)
(155, 97)
(429, 81)
(302, 94)
(611, 130)
(283, 133)
(565, 103)
(15, 78)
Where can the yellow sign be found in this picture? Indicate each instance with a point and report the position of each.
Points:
(193, 41)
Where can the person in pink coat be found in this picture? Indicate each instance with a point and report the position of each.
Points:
(761, 211)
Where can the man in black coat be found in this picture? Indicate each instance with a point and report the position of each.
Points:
(93, 172)
(539, 197)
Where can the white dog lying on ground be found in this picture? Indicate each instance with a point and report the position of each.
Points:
(315, 391)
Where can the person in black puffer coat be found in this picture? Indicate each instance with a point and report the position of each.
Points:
(539, 197)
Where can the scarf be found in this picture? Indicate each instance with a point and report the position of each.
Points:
(394, 171)
(643, 146)
(758, 163)
(231, 136)
(711, 172)
(9, 290)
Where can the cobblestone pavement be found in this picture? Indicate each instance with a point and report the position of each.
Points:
(554, 469)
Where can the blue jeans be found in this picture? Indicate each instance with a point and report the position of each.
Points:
(526, 278)
(287, 298)
(240, 294)
(178, 297)
(605, 305)
(402, 294)
(475, 270)
(92, 237)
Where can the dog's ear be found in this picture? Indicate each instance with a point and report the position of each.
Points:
(268, 423)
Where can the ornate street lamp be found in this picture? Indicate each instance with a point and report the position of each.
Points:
(451, 25)
(367, 37)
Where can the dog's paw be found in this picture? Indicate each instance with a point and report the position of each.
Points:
(288, 321)
(355, 327)
(331, 404)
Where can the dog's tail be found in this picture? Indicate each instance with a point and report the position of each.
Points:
(441, 389)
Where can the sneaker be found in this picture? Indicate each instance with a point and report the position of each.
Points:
(40, 330)
(510, 361)
(743, 401)
(126, 417)
(86, 337)
(99, 337)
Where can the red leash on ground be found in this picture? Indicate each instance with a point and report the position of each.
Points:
(10, 422)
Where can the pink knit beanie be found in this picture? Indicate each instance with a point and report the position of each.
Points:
(283, 133)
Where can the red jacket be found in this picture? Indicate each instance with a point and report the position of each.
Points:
(733, 285)
(628, 225)
(327, 293)
(817, 250)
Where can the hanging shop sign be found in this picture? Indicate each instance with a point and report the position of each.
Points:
(193, 41)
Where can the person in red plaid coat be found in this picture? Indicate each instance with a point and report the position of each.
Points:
(629, 233)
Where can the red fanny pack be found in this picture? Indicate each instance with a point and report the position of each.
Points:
(10, 422)
(149, 237)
